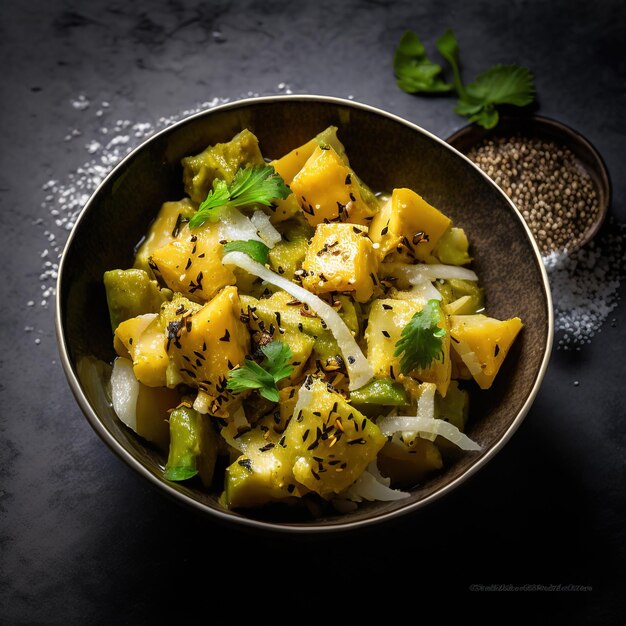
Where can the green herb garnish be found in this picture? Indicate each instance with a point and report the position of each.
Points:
(264, 376)
(478, 101)
(415, 73)
(421, 338)
(251, 185)
(256, 250)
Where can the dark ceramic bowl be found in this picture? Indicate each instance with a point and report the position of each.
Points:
(387, 152)
(538, 127)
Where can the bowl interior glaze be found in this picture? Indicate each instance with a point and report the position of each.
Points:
(386, 152)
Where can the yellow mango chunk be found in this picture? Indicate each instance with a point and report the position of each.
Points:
(482, 343)
(387, 319)
(330, 442)
(163, 230)
(263, 473)
(341, 257)
(192, 263)
(142, 338)
(328, 190)
(208, 344)
(153, 404)
(408, 226)
(290, 164)
(406, 460)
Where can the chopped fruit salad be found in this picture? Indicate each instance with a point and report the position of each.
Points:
(288, 335)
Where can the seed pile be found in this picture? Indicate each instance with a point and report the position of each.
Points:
(553, 191)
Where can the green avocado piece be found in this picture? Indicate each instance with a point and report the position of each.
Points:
(262, 474)
(287, 255)
(131, 293)
(219, 161)
(193, 446)
(382, 391)
(453, 247)
(293, 323)
(455, 288)
(454, 407)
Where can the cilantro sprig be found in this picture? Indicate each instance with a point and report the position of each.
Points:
(478, 101)
(264, 376)
(251, 185)
(256, 250)
(421, 338)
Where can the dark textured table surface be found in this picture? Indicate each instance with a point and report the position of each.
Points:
(82, 538)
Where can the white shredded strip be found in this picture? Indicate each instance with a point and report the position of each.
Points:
(424, 290)
(235, 226)
(424, 271)
(414, 424)
(371, 485)
(240, 420)
(304, 399)
(266, 230)
(124, 392)
(426, 402)
(359, 370)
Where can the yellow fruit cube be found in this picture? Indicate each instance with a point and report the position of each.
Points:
(163, 230)
(341, 258)
(406, 460)
(192, 263)
(408, 226)
(290, 164)
(330, 442)
(143, 339)
(387, 320)
(206, 345)
(328, 190)
(262, 474)
(482, 343)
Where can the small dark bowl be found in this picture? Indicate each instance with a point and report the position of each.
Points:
(536, 126)
(387, 152)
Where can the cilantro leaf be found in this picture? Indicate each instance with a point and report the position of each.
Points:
(421, 338)
(448, 48)
(257, 185)
(276, 361)
(256, 250)
(415, 72)
(253, 184)
(209, 208)
(502, 84)
(264, 376)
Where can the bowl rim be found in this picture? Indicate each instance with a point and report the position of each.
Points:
(473, 135)
(226, 516)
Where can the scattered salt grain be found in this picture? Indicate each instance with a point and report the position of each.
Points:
(585, 286)
(81, 103)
